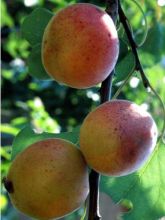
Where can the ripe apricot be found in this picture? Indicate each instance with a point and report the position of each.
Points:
(117, 137)
(49, 179)
(80, 46)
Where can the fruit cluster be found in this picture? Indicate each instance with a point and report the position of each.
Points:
(49, 179)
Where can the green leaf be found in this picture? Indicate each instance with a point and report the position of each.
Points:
(27, 136)
(154, 42)
(122, 36)
(145, 188)
(35, 65)
(34, 25)
(85, 211)
(142, 37)
(162, 29)
(147, 59)
(8, 129)
(123, 49)
(124, 67)
(6, 19)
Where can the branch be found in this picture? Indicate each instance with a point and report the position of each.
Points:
(94, 179)
(105, 94)
(138, 67)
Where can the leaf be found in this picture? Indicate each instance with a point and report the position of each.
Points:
(85, 210)
(8, 129)
(145, 188)
(36, 68)
(34, 25)
(122, 36)
(124, 67)
(154, 42)
(6, 19)
(27, 136)
(141, 37)
(123, 49)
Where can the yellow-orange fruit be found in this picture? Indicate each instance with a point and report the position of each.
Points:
(117, 137)
(49, 179)
(80, 46)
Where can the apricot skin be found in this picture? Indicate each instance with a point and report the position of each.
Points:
(49, 179)
(80, 46)
(117, 138)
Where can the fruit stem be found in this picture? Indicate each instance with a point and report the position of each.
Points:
(105, 95)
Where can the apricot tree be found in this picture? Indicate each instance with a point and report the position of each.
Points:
(79, 47)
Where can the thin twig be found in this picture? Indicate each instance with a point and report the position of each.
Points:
(105, 94)
(138, 67)
(122, 85)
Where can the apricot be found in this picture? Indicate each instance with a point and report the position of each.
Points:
(117, 137)
(80, 46)
(49, 179)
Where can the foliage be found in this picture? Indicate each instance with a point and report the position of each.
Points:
(50, 107)
(144, 188)
(20, 142)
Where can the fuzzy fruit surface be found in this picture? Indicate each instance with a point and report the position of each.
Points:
(80, 46)
(117, 138)
(49, 179)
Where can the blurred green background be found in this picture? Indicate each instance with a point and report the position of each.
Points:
(52, 107)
